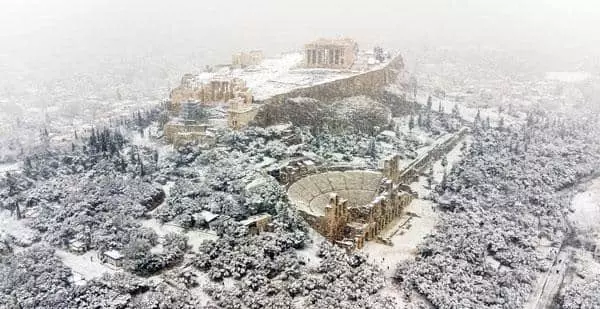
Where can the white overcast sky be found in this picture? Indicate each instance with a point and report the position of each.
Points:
(115, 27)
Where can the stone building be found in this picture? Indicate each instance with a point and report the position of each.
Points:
(179, 133)
(330, 53)
(258, 224)
(208, 91)
(240, 113)
(243, 59)
(113, 257)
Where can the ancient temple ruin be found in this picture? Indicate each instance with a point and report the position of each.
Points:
(208, 90)
(245, 59)
(330, 53)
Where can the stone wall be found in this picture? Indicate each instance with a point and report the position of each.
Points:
(371, 83)
(179, 133)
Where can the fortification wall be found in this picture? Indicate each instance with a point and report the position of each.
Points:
(369, 83)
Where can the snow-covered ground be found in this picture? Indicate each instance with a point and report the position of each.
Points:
(418, 220)
(16, 228)
(86, 266)
(195, 237)
(309, 252)
(586, 208)
(586, 221)
(10, 167)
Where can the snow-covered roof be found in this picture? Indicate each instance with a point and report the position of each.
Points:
(255, 218)
(208, 216)
(388, 133)
(76, 243)
(308, 162)
(113, 254)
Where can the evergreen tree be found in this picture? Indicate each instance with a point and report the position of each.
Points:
(132, 156)
(93, 140)
(501, 123)
(455, 111)
(372, 149)
(477, 117)
(142, 171)
(18, 209)
(139, 119)
(155, 156)
(123, 165)
(444, 162)
(420, 120)
(430, 177)
(411, 122)
(429, 104)
(444, 183)
(530, 119)
(113, 148)
(440, 107)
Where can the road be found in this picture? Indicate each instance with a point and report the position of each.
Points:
(545, 293)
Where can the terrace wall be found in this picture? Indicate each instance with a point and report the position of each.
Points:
(369, 83)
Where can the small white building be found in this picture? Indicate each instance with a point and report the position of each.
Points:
(113, 257)
(207, 217)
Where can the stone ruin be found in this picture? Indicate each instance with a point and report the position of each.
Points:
(353, 206)
(208, 91)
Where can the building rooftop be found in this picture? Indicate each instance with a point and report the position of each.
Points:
(114, 254)
(255, 218)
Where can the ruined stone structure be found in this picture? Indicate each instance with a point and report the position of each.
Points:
(330, 53)
(208, 91)
(179, 133)
(258, 224)
(240, 113)
(243, 59)
(353, 206)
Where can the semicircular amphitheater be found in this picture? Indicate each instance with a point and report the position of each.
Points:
(353, 206)
(350, 207)
(312, 194)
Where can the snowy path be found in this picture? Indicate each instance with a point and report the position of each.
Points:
(418, 220)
